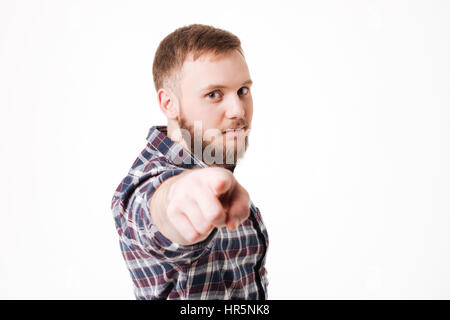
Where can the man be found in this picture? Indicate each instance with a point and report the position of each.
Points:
(187, 228)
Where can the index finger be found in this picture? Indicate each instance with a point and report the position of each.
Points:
(212, 209)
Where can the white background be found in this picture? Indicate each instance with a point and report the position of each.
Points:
(348, 159)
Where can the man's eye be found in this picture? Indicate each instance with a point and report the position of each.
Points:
(214, 95)
(243, 91)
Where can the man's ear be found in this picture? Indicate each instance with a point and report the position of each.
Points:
(168, 103)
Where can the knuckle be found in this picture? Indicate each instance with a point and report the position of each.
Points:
(191, 236)
(204, 228)
(184, 196)
(243, 206)
(244, 210)
(171, 214)
(245, 194)
(222, 174)
(215, 214)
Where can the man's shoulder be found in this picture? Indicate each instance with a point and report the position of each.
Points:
(160, 159)
(149, 165)
(150, 162)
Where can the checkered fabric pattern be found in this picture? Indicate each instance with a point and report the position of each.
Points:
(226, 265)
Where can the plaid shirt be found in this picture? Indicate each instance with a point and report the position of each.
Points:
(226, 265)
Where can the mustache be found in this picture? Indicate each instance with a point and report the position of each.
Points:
(188, 125)
(237, 124)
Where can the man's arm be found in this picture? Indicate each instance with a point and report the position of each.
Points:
(158, 210)
(186, 208)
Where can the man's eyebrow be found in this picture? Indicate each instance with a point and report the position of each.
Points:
(248, 82)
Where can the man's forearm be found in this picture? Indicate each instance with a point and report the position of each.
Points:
(158, 210)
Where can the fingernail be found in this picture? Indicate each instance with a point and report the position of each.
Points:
(236, 223)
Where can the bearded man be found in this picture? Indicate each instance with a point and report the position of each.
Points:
(187, 228)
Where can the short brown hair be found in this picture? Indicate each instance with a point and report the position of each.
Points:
(196, 39)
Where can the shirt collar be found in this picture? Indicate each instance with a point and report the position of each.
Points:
(172, 151)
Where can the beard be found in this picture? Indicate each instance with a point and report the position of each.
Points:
(216, 148)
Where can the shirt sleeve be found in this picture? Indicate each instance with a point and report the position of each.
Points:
(144, 235)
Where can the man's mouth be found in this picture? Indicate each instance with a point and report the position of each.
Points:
(233, 132)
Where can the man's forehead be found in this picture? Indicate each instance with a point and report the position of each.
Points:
(210, 68)
(210, 56)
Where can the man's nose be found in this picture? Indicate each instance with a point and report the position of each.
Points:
(235, 108)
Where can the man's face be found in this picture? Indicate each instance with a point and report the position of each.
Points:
(215, 92)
